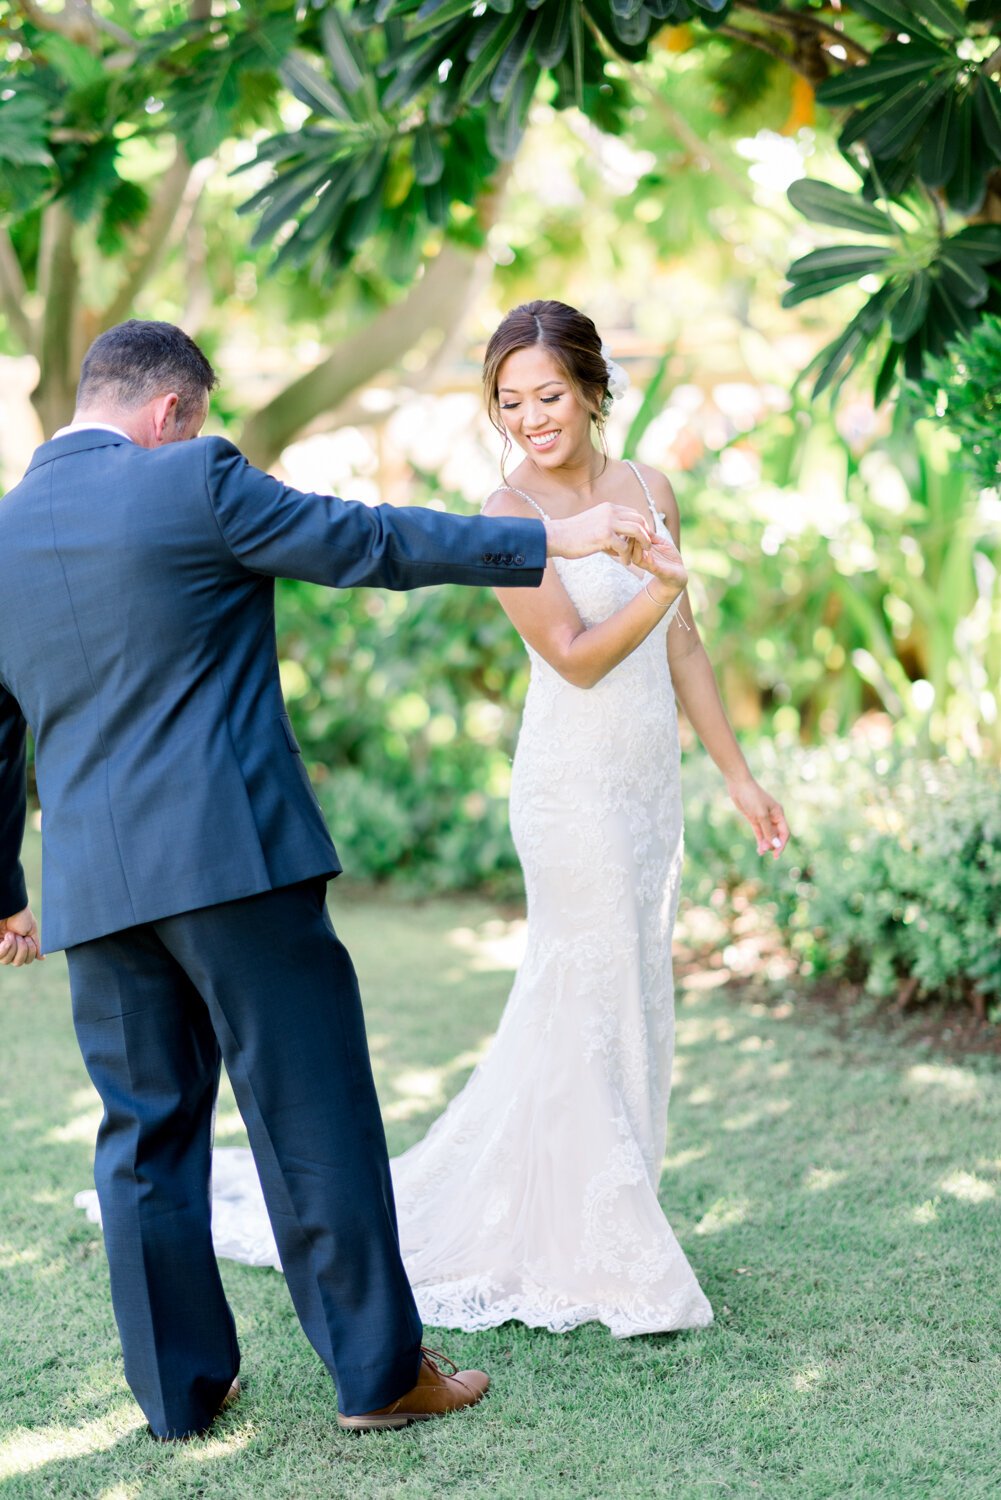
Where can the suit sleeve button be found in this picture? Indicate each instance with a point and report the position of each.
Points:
(488, 557)
(519, 559)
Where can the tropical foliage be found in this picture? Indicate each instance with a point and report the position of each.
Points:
(408, 111)
(963, 390)
(895, 877)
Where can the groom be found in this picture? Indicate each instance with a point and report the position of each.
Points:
(186, 862)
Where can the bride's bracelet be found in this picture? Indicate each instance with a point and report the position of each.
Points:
(659, 602)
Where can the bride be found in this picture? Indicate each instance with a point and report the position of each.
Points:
(534, 1196)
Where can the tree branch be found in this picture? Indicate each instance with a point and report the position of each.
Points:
(13, 294)
(161, 225)
(801, 23)
(434, 302)
(762, 44)
(78, 22)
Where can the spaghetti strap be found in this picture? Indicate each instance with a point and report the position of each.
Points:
(649, 499)
(533, 503)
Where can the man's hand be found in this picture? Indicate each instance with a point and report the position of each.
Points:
(765, 815)
(20, 943)
(618, 530)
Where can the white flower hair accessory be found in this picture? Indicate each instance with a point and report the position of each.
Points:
(616, 380)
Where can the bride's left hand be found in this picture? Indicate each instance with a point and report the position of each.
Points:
(663, 561)
(764, 814)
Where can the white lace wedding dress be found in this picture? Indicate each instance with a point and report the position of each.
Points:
(534, 1196)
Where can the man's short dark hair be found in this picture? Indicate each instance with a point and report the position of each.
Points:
(138, 360)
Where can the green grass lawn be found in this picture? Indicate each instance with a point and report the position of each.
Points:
(840, 1201)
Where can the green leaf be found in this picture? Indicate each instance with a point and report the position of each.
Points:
(887, 374)
(909, 310)
(942, 14)
(964, 278)
(342, 53)
(981, 242)
(77, 64)
(649, 406)
(23, 131)
(940, 146)
(894, 15)
(554, 38)
(855, 260)
(429, 159)
(966, 186)
(514, 59)
(436, 13)
(897, 62)
(805, 291)
(987, 102)
(365, 216)
(852, 343)
(310, 86)
(824, 204)
(486, 57)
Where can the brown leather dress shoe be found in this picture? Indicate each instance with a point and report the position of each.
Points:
(434, 1395)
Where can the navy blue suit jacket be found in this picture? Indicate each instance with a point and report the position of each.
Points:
(137, 639)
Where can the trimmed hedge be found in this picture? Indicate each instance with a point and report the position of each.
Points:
(893, 877)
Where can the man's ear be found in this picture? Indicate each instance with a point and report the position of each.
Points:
(161, 413)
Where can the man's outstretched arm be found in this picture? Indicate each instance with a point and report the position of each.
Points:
(284, 533)
(19, 942)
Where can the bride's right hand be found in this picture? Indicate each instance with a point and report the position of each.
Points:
(664, 562)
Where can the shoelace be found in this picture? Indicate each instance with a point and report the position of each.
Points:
(427, 1353)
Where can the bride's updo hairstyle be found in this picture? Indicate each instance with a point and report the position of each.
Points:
(572, 340)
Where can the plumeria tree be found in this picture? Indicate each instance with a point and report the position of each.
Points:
(407, 114)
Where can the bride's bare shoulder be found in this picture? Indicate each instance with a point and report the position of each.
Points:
(508, 502)
(662, 493)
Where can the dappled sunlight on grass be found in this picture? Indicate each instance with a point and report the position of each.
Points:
(808, 1379)
(10, 1256)
(925, 1213)
(684, 1158)
(725, 1213)
(691, 1031)
(821, 1179)
(703, 1095)
(80, 1131)
(24, 1451)
(424, 1089)
(968, 1187)
(756, 1044)
(494, 945)
(960, 1084)
(214, 1446)
(771, 1109)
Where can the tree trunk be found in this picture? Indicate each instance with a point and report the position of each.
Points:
(435, 303)
(58, 345)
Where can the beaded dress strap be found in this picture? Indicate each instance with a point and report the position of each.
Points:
(649, 498)
(534, 503)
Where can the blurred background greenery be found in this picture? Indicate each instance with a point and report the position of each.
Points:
(340, 201)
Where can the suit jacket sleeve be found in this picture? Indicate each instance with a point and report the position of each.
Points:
(13, 805)
(285, 533)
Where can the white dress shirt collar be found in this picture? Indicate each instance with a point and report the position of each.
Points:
(90, 426)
